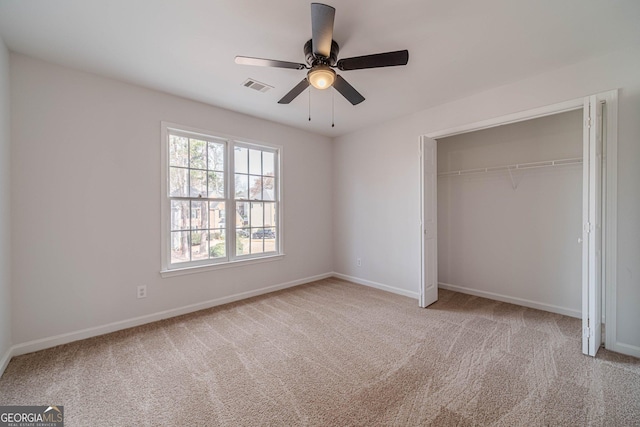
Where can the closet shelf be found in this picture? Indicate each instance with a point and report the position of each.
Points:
(519, 166)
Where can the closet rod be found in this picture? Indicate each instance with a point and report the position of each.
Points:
(533, 165)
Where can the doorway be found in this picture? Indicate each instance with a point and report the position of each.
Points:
(599, 199)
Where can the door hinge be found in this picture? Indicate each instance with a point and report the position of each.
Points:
(588, 227)
(587, 123)
(588, 333)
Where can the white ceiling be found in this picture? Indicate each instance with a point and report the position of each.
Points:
(187, 47)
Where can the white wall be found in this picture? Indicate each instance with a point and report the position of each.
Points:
(375, 204)
(86, 201)
(388, 154)
(81, 144)
(518, 244)
(5, 225)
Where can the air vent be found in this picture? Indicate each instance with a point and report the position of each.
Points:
(256, 85)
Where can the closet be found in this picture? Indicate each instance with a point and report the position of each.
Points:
(509, 212)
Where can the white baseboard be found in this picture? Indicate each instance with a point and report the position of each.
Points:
(512, 300)
(377, 285)
(44, 343)
(6, 357)
(630, 350)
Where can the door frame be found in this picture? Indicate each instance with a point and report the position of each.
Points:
(609, 185)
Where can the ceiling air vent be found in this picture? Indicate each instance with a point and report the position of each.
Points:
(256, 85)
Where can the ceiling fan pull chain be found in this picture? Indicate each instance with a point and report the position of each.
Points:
(333, 108)
(309, 104)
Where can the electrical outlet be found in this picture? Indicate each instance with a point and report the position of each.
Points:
(359, 262)
(142, 291)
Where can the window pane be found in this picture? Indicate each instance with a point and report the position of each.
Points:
(199, 217)
(269, 214)
(269, 239)
(178, 151)
(178, 182)
(241, 160)
(217, 244)
(199, 245)
(216, 215)
(242, 186)
(242, 214)
(242, 242)
(257, 244)
(216, 184)
(198, 183)
(216, 156)
(179, 215)
(257, 219)
(255, 162)
(198, 154)
(255, 187)
(268, 188)
(180, 247)
(268, 164)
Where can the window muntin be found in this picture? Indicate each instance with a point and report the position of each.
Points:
(210, 223)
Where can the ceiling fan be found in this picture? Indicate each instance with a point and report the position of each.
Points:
(321, 54)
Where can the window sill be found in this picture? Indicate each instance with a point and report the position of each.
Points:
(203, 268)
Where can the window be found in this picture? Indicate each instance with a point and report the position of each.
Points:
(221, 199)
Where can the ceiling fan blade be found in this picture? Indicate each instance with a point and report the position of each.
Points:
(346, 90)
(293, 93)
(245, 60)
(388, 59)
(322, 17)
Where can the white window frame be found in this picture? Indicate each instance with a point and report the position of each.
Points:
(231, 259)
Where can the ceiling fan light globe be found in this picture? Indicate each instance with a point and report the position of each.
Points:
(321, 77)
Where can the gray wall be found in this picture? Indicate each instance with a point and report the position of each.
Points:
(516, 244)
(381, 224)
(86, 199)
(80, 142)
(5, 191)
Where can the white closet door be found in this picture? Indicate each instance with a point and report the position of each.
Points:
(592, 228)
(429, 162)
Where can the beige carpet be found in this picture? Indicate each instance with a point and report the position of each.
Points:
(334, 353)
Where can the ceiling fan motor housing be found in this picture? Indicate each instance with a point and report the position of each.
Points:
(314, 60)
